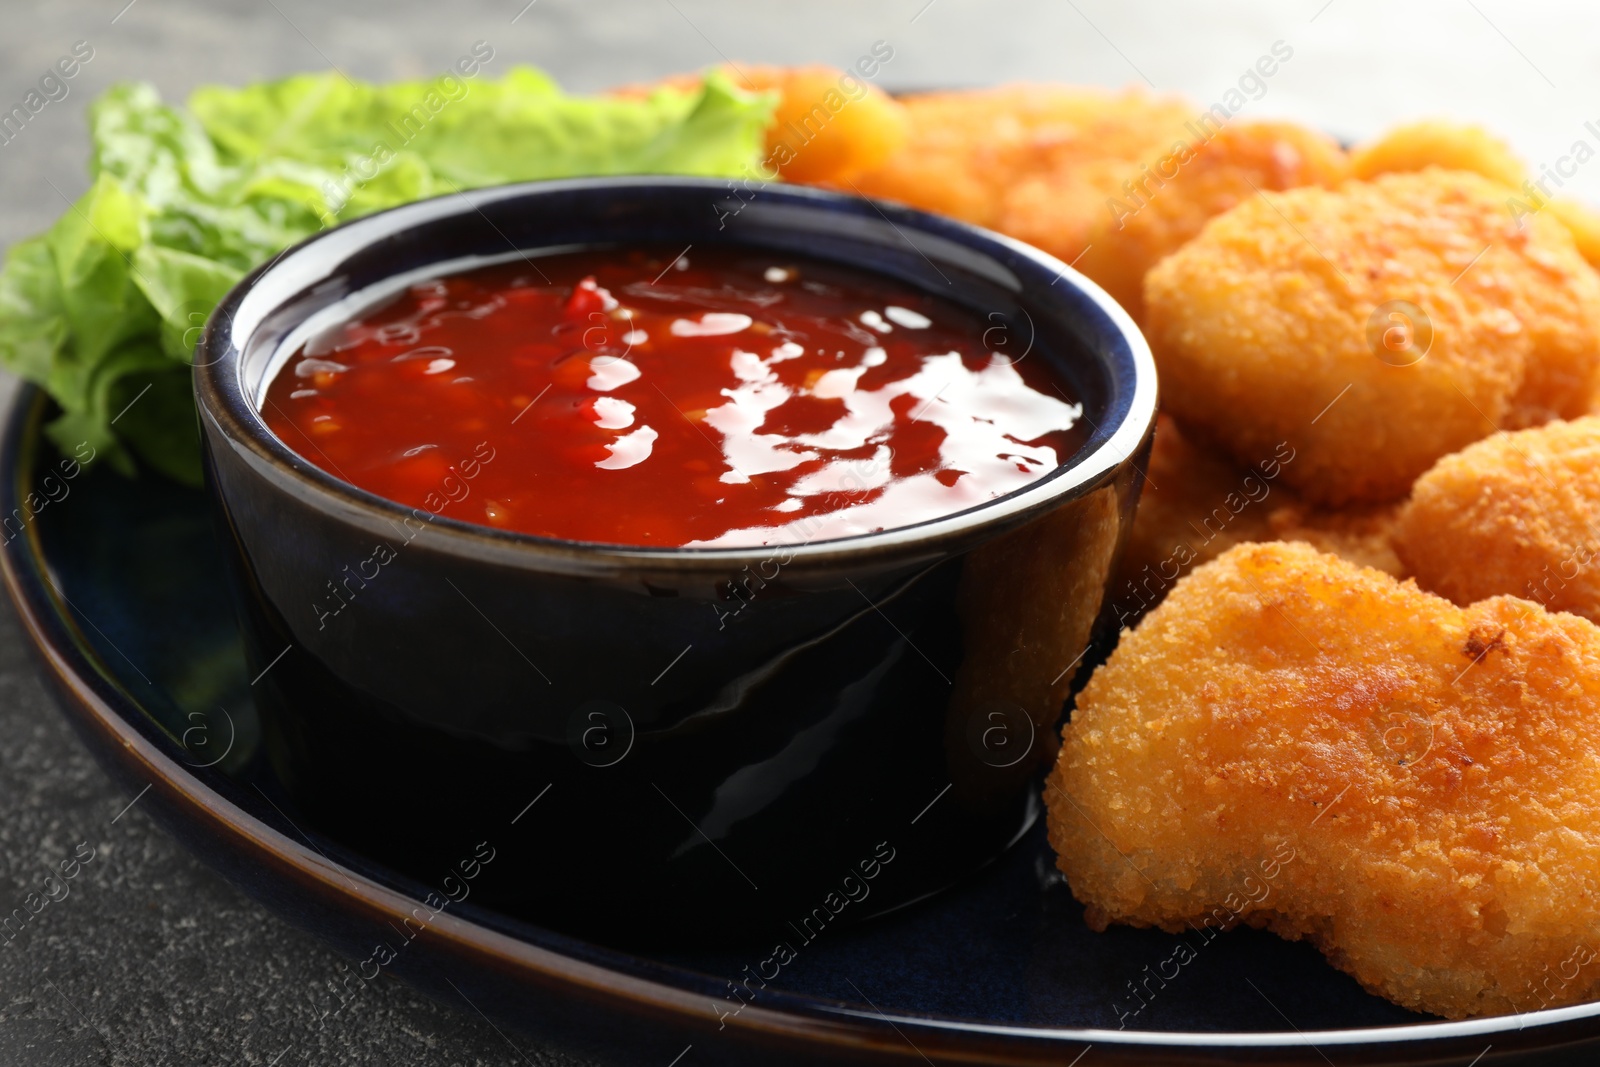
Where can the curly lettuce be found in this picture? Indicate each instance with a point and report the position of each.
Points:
(103, 310)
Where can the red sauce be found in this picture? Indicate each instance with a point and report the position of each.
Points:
(721, 397)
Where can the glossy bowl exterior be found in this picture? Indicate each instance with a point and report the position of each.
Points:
(763, 740)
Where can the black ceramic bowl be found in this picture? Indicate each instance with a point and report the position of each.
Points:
(644, 765)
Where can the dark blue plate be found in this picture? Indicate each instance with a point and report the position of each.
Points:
(120, 584)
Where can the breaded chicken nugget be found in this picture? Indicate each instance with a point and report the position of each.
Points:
(1115, 220)
(1453, 146)
(968, 149)
(1118, 179)
(829, 124)
(1516, 514)
(1297, 318)
(1439, 143)
(1583, 222)
(1198, 503)
(1363, 536)
(1295, 743)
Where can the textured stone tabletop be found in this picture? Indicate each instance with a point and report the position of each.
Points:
(151, 959)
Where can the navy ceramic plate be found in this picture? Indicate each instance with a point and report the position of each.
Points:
(120, 585)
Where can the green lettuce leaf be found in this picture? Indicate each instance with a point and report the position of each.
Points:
(104, 309)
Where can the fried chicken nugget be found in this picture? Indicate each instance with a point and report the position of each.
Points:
(1197, 504)
(1116, 219)
(1118, 179)
(1515, 514)
(1363, 536)
(1295, 319)
(828, 125)
(1439, 143)
(968, 149)
(1295, 743)
(1583, 222)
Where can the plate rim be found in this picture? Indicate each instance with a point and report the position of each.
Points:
(95, 705)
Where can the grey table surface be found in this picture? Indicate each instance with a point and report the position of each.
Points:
(152, 959)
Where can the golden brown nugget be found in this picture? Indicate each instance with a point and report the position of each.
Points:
(1439, 143)
(1515, 514)
(1197, 504)
(1295, 743)
(1297, 318)
(967, 149)
(1583, 222)
(1116, 219)
(1453, 146)
(1363, 536)
(829, 124)
(1109, 181)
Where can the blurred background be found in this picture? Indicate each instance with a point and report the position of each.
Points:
(1528, 70)
(153, 960)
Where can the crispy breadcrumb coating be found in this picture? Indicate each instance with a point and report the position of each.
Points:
(1198, 503)
(1363, 536)
(1439, 143)
(1516, 514)
(1278, 323)
(1453, 146)
(967, 149)
(1115, 219)
(1109, 181)
(1296, 743)
(1195, 505)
